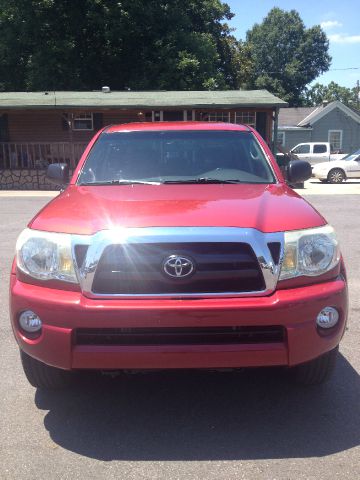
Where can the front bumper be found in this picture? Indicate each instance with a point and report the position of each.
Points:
(319, 175)
(62, 312)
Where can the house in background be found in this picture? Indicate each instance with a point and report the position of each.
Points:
(38, 128)
(333, 122)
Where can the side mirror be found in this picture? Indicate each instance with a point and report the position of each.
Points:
(58, 173)
(298, 171)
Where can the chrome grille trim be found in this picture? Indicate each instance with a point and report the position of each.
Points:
(256, 239)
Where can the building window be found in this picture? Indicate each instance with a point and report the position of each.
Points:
(246, 118)
(335, 139)
(280, 139)
(83, 121)
(216, 116)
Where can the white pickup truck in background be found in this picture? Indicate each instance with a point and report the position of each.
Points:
(316, 152)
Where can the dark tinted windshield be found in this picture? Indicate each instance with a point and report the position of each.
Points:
(176, 157)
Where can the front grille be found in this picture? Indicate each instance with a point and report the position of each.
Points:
(138, 269)
(180, 336)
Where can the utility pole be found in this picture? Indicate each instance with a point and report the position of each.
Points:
(357, 94)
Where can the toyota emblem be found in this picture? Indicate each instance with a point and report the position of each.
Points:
(178, 267)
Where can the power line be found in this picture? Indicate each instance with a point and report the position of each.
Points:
(330, 70)
(348, 68)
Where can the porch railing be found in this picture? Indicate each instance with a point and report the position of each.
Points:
(39, 155)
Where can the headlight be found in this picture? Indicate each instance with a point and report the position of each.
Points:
(309, 252)
(45, 255)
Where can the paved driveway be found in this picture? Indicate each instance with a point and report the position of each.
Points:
(183, 425)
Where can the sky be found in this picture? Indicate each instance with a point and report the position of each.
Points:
(339, 19)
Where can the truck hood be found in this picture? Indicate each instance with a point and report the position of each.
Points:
(89, 209)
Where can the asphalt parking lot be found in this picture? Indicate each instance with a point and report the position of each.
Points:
(315, 187)
(184, 425)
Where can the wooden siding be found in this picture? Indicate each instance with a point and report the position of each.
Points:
(36, 126)
(113, 117)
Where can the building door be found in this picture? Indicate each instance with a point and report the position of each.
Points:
(173, 115)
(4, 128)
(261, 124)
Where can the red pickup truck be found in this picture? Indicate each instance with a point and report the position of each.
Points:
(177, 245)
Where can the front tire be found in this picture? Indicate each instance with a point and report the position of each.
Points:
(336, 175)
(316, 371)
(43, 376)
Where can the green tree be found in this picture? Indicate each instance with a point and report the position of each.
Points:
(318, 93)
(136, 44)
(286, 55)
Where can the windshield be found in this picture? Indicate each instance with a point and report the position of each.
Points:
(176, 157)
(352, 156)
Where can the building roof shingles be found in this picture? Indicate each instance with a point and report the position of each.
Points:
(130, 99)
(292, 117)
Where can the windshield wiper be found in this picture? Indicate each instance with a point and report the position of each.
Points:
(144, 182)
(203, 180)
(119, 182)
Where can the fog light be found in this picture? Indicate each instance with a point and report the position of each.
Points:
(328, 317)
(30, 322)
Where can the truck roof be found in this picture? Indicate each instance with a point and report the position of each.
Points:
(314, 143)
(151, 126)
